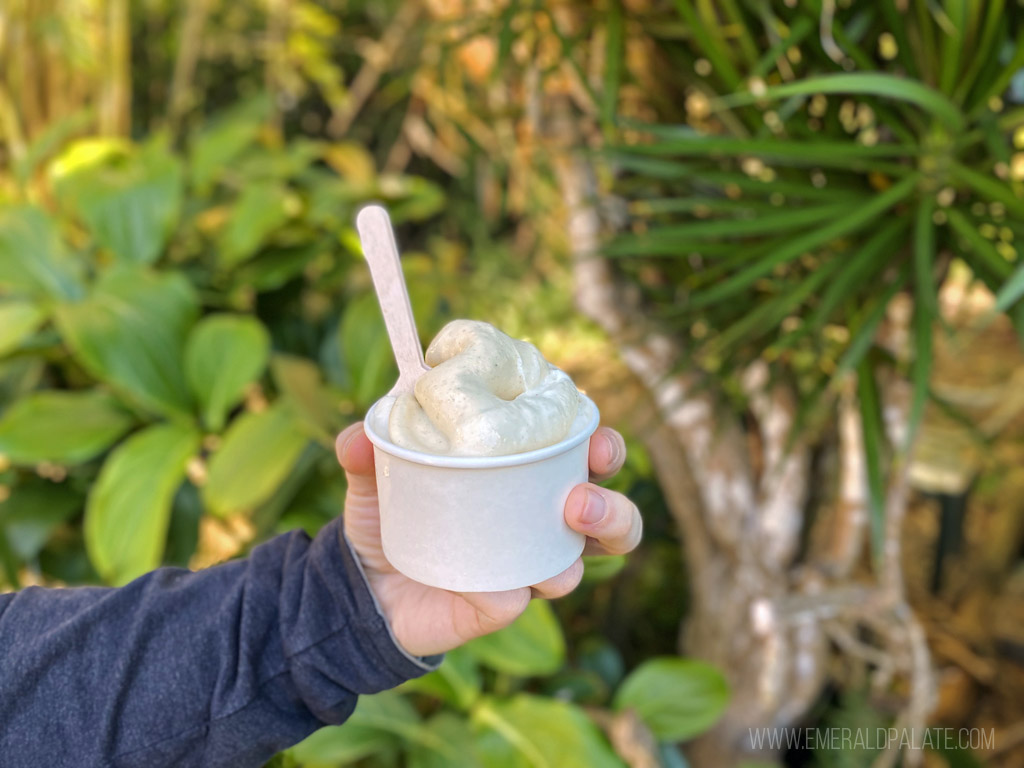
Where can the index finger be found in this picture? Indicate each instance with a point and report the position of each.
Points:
(607, 453)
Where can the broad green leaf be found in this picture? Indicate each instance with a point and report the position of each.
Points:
(380, 723)
(223, 355)
(129, 507)
(345, 744)
(130, 204)
(874, 438)
(224, 138)
(33, 258)
(130, 332)
(532, 645)
(18, 320)
(676, 698)
(61, 427)
(260, 210)
(258, 452)
(299, 380)
(867, 83)
(33, 511)
(457, 681)
(456, 734)
(365, 348)
(602, 567)
(535, 732)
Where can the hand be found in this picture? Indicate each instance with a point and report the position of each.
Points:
(427, 620)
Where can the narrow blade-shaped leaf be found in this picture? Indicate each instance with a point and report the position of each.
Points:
(807, 242)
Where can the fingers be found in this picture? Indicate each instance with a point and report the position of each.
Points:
(607, 453)
(355, 454)
(491, 611)
(611, 520)
(560, 585)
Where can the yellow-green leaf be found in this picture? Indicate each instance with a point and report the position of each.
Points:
(62, 427)
(128, 510)
(258, 452)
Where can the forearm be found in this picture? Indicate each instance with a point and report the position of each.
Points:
(222, 667)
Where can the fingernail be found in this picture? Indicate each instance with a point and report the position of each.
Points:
(613, 449)
(594, 508)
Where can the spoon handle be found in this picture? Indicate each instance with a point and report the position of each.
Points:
(381, 251)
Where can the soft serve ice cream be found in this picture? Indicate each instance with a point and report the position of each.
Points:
(486, 394)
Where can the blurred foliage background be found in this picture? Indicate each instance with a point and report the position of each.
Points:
(186, 320)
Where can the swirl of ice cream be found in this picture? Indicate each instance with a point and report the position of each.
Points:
(486, 394)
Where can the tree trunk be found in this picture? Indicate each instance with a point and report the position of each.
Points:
(767, 619)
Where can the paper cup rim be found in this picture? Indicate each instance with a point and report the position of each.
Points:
(484, 462)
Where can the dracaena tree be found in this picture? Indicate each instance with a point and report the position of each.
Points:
(782, 211)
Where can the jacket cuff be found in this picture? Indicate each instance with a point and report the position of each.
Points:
(387, 646)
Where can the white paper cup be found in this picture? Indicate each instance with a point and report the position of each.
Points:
(479, 524)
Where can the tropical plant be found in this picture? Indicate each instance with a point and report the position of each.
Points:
(792, 204)
(481, 708)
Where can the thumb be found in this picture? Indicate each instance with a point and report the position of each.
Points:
(355, 454)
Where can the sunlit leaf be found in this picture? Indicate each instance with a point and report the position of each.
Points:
(129, 507)
(130, 332)
(61, 427)
(223, 355)
(676, 698)
(532, 645)
(18, 320)
(258, 453)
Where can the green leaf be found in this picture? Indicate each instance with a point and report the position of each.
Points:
(864, 335)
(299, 380)
(130, 204)
(536, 732)
(18, 320)
(223, 355)
(925, 311)
(457, 736)
(676, 698)
(342, 745)
(130, 332)
(987, 187)
(602, 567)
(261, 209)
(258, 452)
(33, 258)
(33, 511)
(1011, 292)
(380, 723)
(129, 507)
(871, 422)
(866, 83)
(61, 427)
(369, 361)
(853, 221)
(613, 61)
(457, 681)
(224, 138)
(532, 645)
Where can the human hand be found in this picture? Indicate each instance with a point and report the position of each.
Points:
(427, 620)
